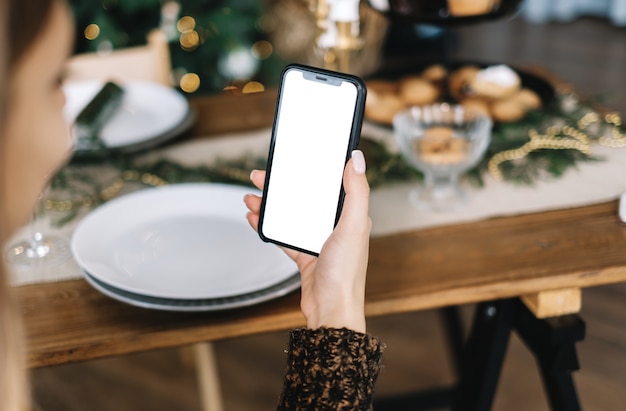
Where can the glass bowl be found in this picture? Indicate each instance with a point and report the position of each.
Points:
(442, 141)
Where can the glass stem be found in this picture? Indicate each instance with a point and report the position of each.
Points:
(434, 181)
(38, 246)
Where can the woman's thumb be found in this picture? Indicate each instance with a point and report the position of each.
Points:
(356, 203)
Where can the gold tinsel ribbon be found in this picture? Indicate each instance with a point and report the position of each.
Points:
(564, 138)
(108, 193)
(113, 189)
(578, 137)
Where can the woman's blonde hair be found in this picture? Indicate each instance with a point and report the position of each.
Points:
(20, 23)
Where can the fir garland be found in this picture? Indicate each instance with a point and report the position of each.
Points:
(519, 153)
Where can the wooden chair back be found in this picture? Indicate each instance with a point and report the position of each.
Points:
(146, 63)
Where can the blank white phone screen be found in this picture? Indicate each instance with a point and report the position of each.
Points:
(312, 135)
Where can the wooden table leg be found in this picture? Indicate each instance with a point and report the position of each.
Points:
(208, 377)
(553, 303)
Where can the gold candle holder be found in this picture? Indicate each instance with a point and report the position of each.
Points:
(309, 33)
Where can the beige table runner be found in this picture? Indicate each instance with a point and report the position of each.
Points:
(591, 182)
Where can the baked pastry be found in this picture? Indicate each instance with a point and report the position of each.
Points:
(470, 7)
(438, 145)
(382, 107)
(494, 91)
(507, 110)
(476, 104)
(438, 133)
(417, 91)
(434, 73)
(460, 79)
(495, 82)
(382, 86)
(528, 98)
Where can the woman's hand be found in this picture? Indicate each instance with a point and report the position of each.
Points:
(333, 284)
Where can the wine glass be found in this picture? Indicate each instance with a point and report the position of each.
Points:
(39, 249)
(443, 141)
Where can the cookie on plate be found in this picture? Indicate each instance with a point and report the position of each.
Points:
(528, 98)
(382, 107)
(495, 82)
(417, 91)
(507, 110)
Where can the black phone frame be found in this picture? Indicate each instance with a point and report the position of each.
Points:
(353, 143)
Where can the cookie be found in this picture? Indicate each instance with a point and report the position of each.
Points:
(469, 7)
(381, 86)
(460, 79)
(438, 145)
(495, 82)
(382, 107)
(434, 73)
(507, 110)
(527, 98)
(417, 91)
(477, 105)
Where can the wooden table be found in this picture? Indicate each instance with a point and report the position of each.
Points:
(525, 255)
(503, 257)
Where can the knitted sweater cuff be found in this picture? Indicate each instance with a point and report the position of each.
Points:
(330, 369)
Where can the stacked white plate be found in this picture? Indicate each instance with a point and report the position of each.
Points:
(150, 113)
(184, 247)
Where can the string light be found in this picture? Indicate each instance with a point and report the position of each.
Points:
(262, 49)
(92, 31)
(189, 82)
(186, 23)
(253, 87)
(189, 40)
(238, 63)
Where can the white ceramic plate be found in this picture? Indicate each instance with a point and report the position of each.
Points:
(148, 111)
(209, 304)
(184, 241)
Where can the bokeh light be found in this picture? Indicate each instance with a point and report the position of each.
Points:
(253, 87)
(186, 23)
(189, 82)
(238, 63)
(104, 47)
(232, 90)
(262, 49)
(92, 31)
(189, 40)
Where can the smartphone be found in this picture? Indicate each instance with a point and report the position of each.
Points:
(317, 124)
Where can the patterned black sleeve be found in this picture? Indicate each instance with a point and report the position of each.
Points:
(330, 369)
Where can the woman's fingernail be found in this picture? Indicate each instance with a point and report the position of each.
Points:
(358, 162)
(252, 173)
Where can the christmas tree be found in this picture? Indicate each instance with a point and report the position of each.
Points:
(223, 42)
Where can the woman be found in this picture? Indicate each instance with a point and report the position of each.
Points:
(332, 364)
(35, 40)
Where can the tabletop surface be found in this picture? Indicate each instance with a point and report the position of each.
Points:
(501, 257)
(464, 263)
